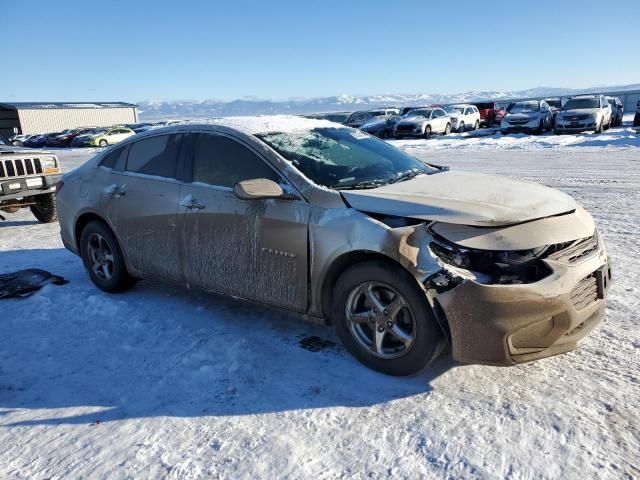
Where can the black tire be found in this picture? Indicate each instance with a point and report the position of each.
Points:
(461, 128)
(427, 132)
(540, 129)
(385, 134)
(45, 208)
(427, 336)
(599, 127)
(447, 129)
(476, 125)
(103, 143)
(120, 280)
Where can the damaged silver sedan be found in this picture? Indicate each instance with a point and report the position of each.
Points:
(338, 226)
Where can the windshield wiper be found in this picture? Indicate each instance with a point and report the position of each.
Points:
(365, 184)
(407, 176)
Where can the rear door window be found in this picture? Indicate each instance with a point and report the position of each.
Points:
(115, 159)
(155, 155)
(222, 161)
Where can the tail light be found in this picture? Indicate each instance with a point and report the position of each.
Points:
(59, 186)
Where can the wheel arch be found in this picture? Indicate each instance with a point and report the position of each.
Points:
(339, 265)
(82, 221)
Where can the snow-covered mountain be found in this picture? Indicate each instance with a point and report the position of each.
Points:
(157, 110)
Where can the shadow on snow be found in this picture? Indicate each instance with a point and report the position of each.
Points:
(161, 350)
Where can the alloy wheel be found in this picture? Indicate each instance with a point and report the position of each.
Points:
(100, 256)
(380, 320)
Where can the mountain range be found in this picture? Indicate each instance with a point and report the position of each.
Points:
(150, 110)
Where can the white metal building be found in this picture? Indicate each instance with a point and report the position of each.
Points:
(46, 117)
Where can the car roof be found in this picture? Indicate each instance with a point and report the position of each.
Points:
(253, 125)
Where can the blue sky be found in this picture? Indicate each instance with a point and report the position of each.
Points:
(137, 50)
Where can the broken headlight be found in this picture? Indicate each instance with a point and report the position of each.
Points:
(499, 267)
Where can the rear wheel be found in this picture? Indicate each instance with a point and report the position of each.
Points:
(385, 134)
(447, 129)
(540, 127)
(383, 318)
(103, 258)
(476, 125)
(103, 143)
(45, 208)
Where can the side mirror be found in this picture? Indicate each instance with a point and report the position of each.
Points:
(257, 189)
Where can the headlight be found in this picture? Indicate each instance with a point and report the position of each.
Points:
(499, 267)
(49, 165)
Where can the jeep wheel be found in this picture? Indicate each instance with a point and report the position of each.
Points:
(45, 208)
(384, 319)
(103, 258)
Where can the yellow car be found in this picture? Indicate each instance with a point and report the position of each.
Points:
(103, 137)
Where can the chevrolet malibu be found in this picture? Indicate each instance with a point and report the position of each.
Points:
(400, 256)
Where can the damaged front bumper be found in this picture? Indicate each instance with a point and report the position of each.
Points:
(510, 324)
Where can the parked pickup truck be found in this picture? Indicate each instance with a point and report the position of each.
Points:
(28, 179)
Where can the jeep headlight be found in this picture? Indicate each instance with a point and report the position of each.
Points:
(49, 165)
(500, 266)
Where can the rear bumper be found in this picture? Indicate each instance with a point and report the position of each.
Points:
(511, 324)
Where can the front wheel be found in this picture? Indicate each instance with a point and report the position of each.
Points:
(103, 143)
(44, 208)
(461, 128)
(599, 127)
(427, 132)
(384, 319)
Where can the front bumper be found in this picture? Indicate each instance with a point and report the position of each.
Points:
(511, 324)
(21, 187)
(532, 126)
(575, 126)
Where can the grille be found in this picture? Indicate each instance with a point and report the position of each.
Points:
(20, 167)
(405, 128)
(585, 292)
(573, 118)
(572, 252)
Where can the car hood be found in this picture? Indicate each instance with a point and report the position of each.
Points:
(463, 198)
(522, 116)
(412, 121)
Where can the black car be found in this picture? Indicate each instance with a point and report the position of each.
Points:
(381, 126)
(617, 111)
(39, 141)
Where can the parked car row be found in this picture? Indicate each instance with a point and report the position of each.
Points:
(532, 116)
(86, 136)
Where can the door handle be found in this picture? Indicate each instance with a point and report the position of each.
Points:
(191, 203)
(116, 190)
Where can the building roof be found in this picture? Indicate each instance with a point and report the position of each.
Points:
(53, 105)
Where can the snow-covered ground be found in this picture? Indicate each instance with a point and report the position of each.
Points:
(163, 382)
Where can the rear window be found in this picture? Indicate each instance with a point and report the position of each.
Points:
(155, 156)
